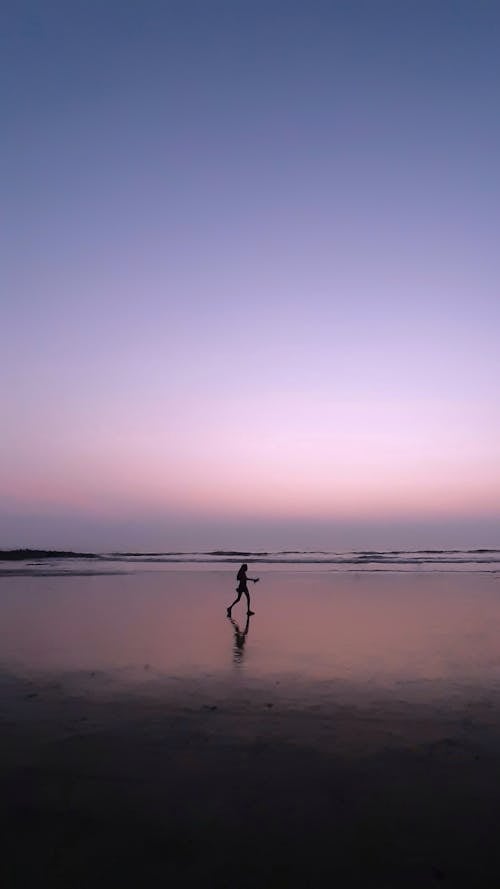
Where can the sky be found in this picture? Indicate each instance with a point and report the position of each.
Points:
(250, 274)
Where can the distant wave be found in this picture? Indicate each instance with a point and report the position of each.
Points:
(63, 560)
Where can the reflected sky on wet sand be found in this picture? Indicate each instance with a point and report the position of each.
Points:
(380, 630)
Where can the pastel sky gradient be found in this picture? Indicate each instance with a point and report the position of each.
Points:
(250, 273)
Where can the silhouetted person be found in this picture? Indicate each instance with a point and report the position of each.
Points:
(239, 640)
(242, 588)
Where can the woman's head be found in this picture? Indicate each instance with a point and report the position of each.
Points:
(245, 566)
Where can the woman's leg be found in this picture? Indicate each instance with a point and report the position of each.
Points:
(249, 610)
(238, 597)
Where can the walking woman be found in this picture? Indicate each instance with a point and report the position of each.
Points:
(242, 589)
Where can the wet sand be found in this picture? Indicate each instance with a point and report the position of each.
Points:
(351, 737)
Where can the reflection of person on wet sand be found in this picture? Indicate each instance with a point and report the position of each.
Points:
(242, 589)
(240, 637)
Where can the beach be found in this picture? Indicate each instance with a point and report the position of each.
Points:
(347, 734)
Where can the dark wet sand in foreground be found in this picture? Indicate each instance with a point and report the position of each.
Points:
(350, 738)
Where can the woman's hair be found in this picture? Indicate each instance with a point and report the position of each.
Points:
(241, 573)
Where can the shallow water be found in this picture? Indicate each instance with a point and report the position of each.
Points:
(375, 631)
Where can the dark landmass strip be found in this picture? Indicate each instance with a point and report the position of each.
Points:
(18, 555)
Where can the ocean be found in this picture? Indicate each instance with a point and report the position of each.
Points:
(45, 562)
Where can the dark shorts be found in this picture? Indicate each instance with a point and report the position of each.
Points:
(242, 589)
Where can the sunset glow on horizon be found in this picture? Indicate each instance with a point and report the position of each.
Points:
(250, 273)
